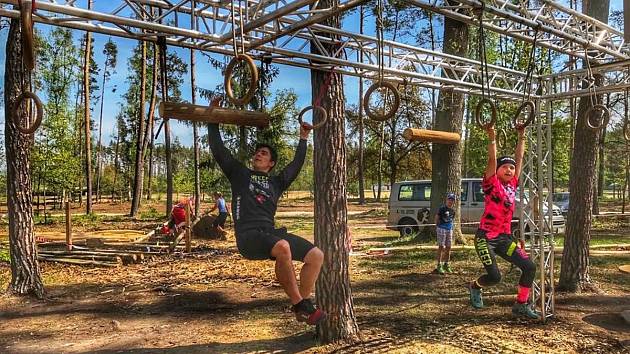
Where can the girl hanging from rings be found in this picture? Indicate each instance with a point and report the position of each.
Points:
(494, 236)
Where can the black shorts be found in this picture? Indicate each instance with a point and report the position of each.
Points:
(220, 220)
(257, 243)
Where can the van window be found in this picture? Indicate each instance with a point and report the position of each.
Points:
(415, 192)
(464, 196)
(477, 192)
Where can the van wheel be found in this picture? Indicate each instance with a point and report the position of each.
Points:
(408, 228)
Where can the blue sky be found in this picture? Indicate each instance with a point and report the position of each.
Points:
(294, 78)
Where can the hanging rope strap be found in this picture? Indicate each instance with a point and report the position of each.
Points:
(595, 106)
(485, 79)
(28, 61)
(381, 83)
(240, 57)
(527, 89)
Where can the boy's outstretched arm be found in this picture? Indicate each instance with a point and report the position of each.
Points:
(520, 152)
(491, 168)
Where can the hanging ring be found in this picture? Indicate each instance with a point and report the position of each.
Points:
(252, 82)
(605, 116)
(322, 112)
(39, 112)
(530, 116)
(381, 117)
(626, 130)
(28, 47)
(493, 116)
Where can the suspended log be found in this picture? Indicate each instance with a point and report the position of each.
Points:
(433, 136)
(196, 113)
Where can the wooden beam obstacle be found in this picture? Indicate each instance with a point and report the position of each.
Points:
(433, 136)
(196, 113)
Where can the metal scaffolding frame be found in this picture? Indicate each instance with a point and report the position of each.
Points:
(284, 30)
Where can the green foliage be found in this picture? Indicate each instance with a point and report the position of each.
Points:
(5, 256)
(151, 214)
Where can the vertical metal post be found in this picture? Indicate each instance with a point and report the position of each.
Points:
(188, 230)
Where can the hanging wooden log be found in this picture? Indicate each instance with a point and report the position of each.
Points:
(196, 113)
(433, 136)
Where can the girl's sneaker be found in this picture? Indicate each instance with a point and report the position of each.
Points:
(475, 297)
(525, 310)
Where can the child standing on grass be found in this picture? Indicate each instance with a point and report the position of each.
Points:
(444, 229)
(494, 236)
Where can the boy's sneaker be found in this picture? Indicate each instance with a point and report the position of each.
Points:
(439, 269)
(447, 268)
(475, 297)
(305, 311)
(525, 310)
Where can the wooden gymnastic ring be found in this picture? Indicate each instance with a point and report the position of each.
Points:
(502, 139)
(319, 109)
(530, 117)
(38, 117)
(626, 130)
(28, 46)
(366, 101)
(605, 117)
(493, 116)
(252, 82)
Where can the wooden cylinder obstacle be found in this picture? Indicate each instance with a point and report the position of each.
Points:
(196, 113)
(433, 136)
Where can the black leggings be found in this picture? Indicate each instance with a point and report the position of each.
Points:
(506, 247)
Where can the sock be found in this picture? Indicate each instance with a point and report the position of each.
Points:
(523, 294)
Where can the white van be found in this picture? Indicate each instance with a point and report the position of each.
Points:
(410, 204)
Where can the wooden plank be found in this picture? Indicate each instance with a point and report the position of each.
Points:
(78, 261)
(206, 114)
(625, 268)
(433, 136)
(68, 226)
(188, 228)
(127, 258)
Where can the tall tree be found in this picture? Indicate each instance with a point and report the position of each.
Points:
(361, 127)
(109, 67)
(149, 137)
(88, 125)
(25, 272)
(331, 228)
(447, 159)
(574, 270)
(139, 163)
(193, 89)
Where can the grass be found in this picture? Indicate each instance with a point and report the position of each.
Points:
(4, 255)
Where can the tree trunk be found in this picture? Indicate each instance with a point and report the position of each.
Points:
(167, 140)
(193, 88)
(25, 272)
(116, 165)
(361, 127)
(331, 229)
(139, 170)
(380, 164)
(447, 159)
(99, 146)
(88, 128)
(148, 137)
(574, 271)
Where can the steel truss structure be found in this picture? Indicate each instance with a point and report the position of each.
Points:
(285, 30)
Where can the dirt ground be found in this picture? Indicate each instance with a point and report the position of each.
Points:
(214, 301)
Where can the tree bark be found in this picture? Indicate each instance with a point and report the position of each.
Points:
(331, 229)
(193, 89)
(138, 177)
(99, 146)
(574, 271)
(88, 127)
(25, 272)
(447, 159)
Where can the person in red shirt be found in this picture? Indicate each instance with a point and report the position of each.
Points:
(178, 216)
(494, 236)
